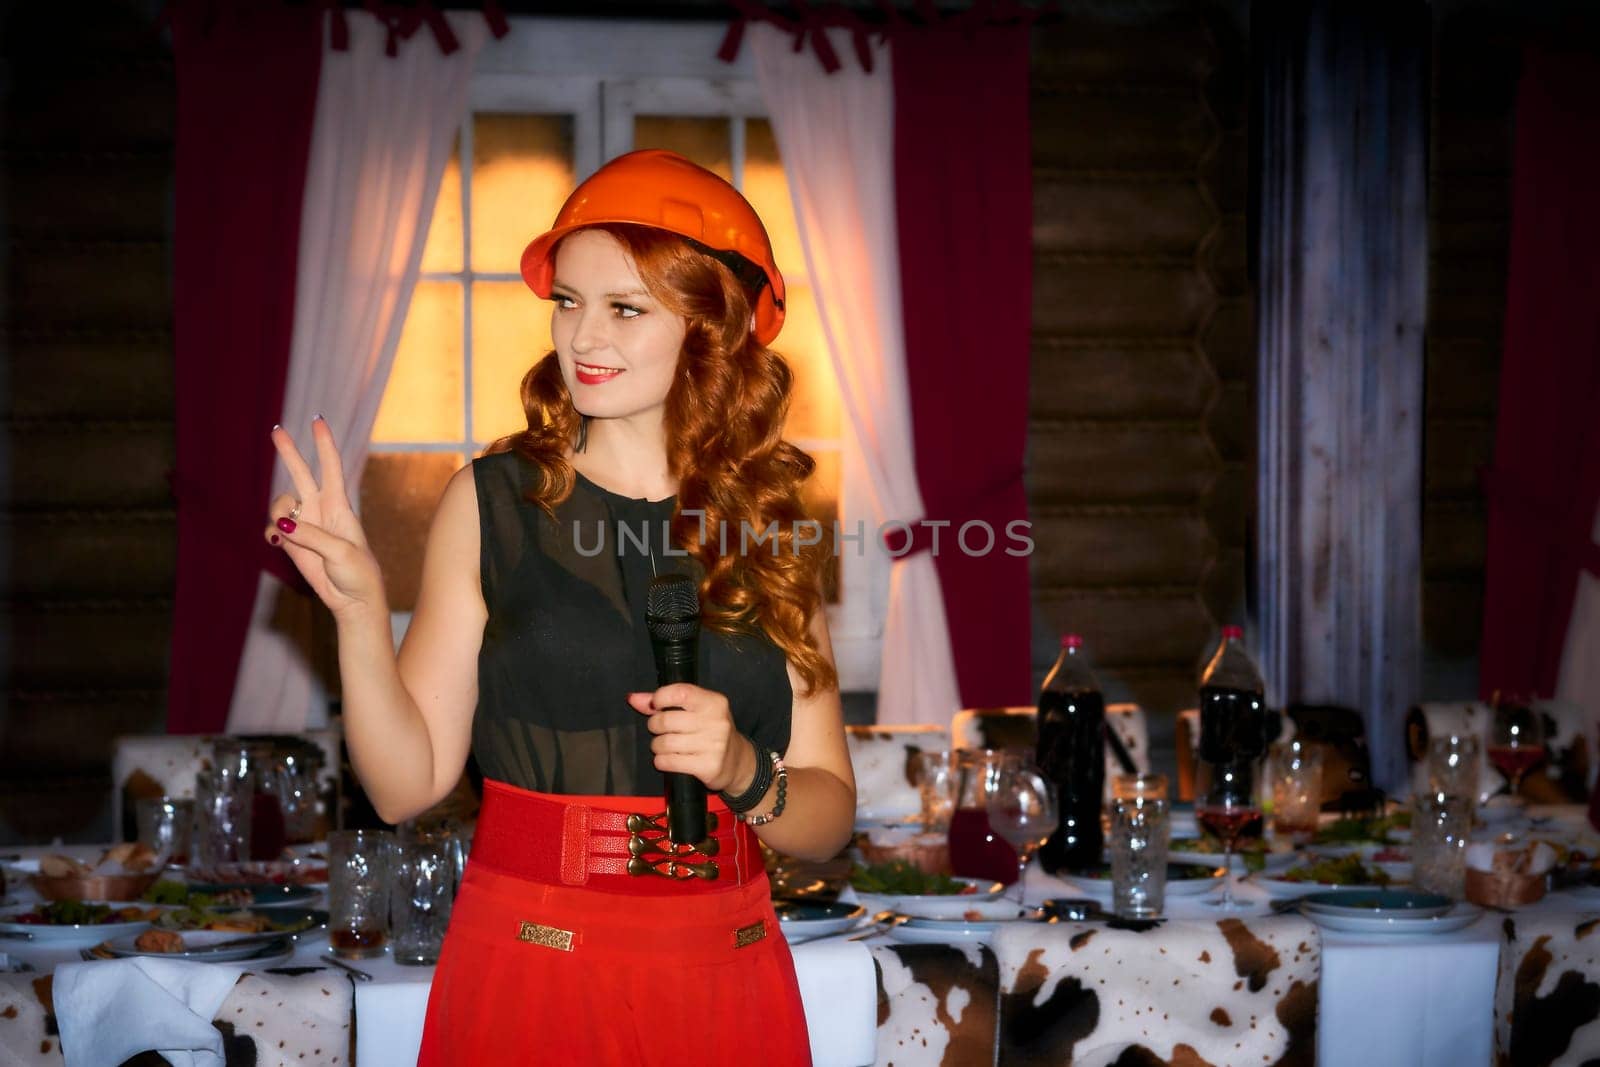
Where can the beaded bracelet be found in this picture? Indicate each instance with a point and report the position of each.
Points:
(758, 785)
(782, 773)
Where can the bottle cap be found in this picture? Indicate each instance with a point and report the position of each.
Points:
(1071, 641)
(1233, 633)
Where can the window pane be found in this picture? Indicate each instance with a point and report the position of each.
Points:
(510, 333)
(424, 400)
(706, 141)
(821, 497)
(399, 492)
(768, 192)
(443, 251)
(522, 173)
(814, 404)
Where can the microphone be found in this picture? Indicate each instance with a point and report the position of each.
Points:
(672, 615)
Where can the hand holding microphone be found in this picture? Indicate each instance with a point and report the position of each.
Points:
(696, 745)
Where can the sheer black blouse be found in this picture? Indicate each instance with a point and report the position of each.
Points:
(565, 641)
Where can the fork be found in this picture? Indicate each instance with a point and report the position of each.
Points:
(357, 973)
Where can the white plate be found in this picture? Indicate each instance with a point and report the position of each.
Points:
(959, 909)
(1457, 918)
(926, 904)
(198, 946)
(805, 929)
(1280, 861)
(1100, 888)
(944, 932)
(82, 934)
(1280, 887)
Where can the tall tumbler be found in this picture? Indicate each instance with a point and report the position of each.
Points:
(1296, 777)
(359, 866)
(423, 889)
(221, 819)
(1440, 826)
(1141, 833)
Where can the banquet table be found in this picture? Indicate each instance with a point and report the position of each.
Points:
(1406, 1001)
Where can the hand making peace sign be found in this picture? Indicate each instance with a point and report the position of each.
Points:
(320, 531)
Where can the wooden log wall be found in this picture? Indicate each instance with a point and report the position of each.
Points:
(1476, 65)
(1140, 471)
(87, 528)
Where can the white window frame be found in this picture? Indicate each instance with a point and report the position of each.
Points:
(604, 73)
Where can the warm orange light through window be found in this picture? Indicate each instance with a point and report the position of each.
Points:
(707, 141)
(510, 333)
(521, 175)
(443, 250)
(768, 192)
(424, 400)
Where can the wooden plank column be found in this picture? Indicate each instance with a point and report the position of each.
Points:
(1342, 269)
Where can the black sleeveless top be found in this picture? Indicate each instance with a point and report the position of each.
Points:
(565, 641)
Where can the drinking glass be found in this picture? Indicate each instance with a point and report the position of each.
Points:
(934, 774)
(1440, 826)
(423, 889)
(1453, 764)
(1022, 809)
(977, 849)
(1140, 835)
(166, 825)
(221, 818)
(1225, 805)
(1296, 779)
(359, 864)
(252, 760)
(1516, 742)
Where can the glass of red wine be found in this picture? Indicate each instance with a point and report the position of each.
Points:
(1516, 741)
(1226, 806)
(1022, 809)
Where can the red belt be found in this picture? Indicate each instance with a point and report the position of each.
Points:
(617, 844)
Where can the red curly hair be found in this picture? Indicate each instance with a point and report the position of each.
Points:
(724, 421)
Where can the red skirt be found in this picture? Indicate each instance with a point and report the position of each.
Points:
(556, 955)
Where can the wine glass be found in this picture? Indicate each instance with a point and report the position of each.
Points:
(1022, 809)
(1226, 806)
(1516, 741)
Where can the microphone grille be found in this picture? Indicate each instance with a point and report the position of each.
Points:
(672, 608)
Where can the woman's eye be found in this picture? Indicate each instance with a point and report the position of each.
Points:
(563, 303)
(627, 311)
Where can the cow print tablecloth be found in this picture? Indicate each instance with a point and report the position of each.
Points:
(1180, 994)
(1547, 1001)
(287, 1017)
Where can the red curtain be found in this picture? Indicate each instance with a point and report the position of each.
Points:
(1545, 483)
(963, 183)
(247, 88)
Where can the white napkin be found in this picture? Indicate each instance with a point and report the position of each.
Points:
(111, 1010)
(839, 987)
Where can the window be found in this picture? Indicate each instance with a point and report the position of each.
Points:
(473, 328)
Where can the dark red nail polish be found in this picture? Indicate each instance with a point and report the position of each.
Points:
(286, 525)
(276, 539)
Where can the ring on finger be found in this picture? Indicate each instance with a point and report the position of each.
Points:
(294, 512)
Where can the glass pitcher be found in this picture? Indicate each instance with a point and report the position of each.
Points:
(976, 851)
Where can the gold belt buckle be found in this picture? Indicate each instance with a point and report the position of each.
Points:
(658, 854)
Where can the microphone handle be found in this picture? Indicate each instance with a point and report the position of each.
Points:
(685, 794)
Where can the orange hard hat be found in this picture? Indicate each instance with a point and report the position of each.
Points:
(653, 187)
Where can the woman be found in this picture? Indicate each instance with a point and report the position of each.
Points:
(581, 933)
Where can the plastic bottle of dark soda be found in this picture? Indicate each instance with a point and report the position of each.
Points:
(1072, 722)
(1233, 708)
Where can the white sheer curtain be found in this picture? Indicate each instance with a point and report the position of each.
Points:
(836, 135)
(383, 134)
